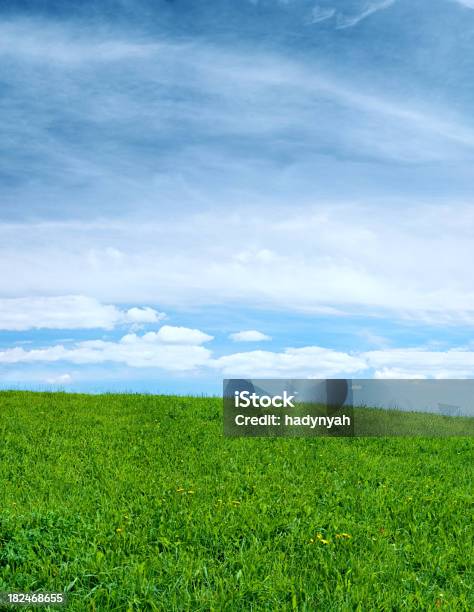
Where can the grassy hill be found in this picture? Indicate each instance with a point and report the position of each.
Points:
(376, 422)
(134, 502)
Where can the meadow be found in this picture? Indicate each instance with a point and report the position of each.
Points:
(134, 502)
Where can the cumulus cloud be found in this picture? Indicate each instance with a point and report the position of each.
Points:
(152, 350)
(179, 350)
(319, 362)
(169, 334)
(143, 315)
(310, 361)
(68, 312)
(182, 335)
(250, 335)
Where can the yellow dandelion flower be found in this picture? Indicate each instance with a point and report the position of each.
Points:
(321, 539)
(119, 530)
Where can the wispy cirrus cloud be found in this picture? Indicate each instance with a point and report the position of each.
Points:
(350, 14)
(50, 45)
(320, 13)
(58, 77)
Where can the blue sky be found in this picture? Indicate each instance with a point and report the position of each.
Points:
(240, 188)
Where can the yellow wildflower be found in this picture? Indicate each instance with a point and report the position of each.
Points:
(321, 539)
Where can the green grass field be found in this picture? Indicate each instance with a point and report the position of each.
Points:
(132, 502)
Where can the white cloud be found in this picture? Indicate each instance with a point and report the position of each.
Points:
(346, 258)
(51, 45)
(320, 13)
(350, 14)
(271, 94)
(60, 379)
(310, 361)
(147, 351)
(365, 9)
(250, 335)
(168, 334)
(318, 362)
(182, 335)
(143, 315)
(421, 363)
(68, 312)
(153, 350)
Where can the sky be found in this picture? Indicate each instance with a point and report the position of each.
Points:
(236, 188)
